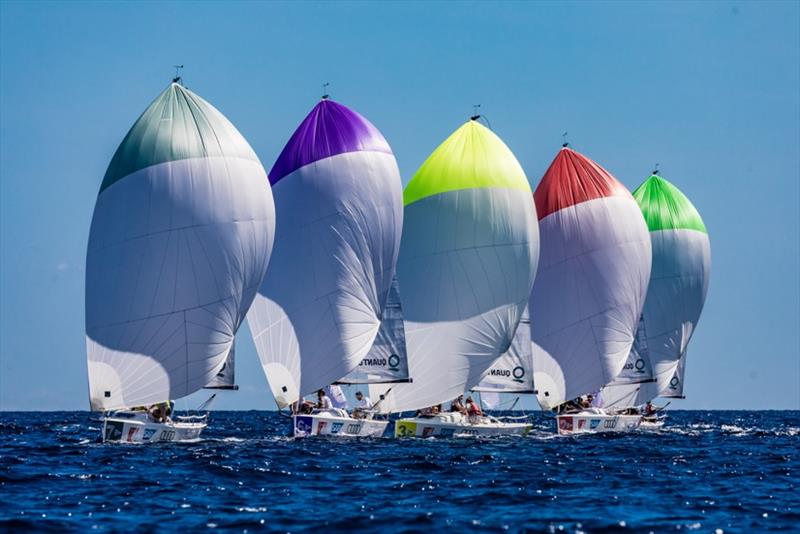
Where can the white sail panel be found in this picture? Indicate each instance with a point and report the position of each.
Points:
(387, 360)
(674, 388)
(337, 192)
(513, 371)
(226, 377)
(180, 239)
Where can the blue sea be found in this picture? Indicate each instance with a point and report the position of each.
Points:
(704, 471)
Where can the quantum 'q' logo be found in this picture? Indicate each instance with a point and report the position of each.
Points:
(518, 373)
(673, 384)
(394, 362)
(639, 365)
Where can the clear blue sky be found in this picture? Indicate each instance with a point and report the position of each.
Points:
(711, 91)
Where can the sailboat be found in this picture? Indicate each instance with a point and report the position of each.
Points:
(675, 296)
(467, 261)
(338, 196)
(589, 291)
(180, 238)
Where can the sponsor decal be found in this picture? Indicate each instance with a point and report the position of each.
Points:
(610, 423)
(505, 373)
(132, 433)
(565, 423)
(673, 384)
(594, 423)
(639, 365)
(427, 431)
(518, 373)
(394, 362)
(354, 428)
(114, 430)
(321, 426)
(167, 435)
(581, 423)
(404, 429)
(446, 432)
(336, 427)
(148, 433)
(302, 425)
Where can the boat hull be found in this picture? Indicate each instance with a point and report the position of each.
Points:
(456, 425)
(591, 423)
(142, 430)
(339, 426)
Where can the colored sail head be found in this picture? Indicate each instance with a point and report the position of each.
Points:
(513, 371)
(387, 360)
(593, 274)
(473, 157)
(665, 207)
(226, 377)
(338, 196)
(467, 261)
(329, 129)
(180, 239)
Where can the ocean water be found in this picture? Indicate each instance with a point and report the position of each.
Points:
(704, 471)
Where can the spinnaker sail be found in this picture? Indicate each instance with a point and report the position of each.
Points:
(678, 285)
(592, 280)
(674, 388)
(338, 196)
(513, 371)
(180, 238)
(387, 360)
(467, 262)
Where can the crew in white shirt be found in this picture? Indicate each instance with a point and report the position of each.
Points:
(323, 402)
(363, 406)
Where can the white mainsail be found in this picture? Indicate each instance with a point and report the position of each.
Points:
(513, 371)
(387, 360)
(180, 238)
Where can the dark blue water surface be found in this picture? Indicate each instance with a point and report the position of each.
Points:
(733, 471)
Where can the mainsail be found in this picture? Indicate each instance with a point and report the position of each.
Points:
(678, 286)
(338, 200)
(467, 262)
(226, 377)
(513, 371)
(387, 360)
(592, 279)
(674, 388)
(180, 238)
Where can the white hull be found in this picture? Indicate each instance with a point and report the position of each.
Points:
(591, 423)
(138, 427)
(337, 424)
(456, 425)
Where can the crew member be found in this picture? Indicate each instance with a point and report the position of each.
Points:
(363, 406)
(473, 410)
(323, 402)
(458, 405)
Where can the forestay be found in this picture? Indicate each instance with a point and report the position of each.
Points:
(677, 290)
(338, 197)
(387, 360)
(467, 262)
(180, 238)
(592, 279)
(513, 371)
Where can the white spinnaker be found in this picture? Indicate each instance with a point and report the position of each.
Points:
(588, 296)
(513, 371)
(318, 310)
(177, 250)
(675, 298)
(674, 388)
(387, 360)
(469, 255)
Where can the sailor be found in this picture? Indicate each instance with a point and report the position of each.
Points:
(587, 401)
(323, 402)
(473, 410)
(363, 406)
(458, 405)
(649, 410)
